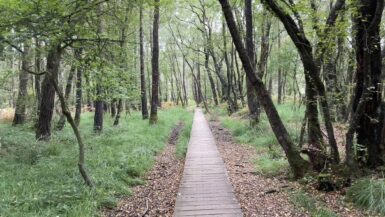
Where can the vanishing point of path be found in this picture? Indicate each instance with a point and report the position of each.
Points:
(205, 189)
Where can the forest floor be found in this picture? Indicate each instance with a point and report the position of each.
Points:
(261, 180)
(157, 197)
(42, 179)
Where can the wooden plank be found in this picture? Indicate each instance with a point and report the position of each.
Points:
(205, 189)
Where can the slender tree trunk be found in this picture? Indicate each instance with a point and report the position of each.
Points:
(252, 102)
(21, 107)
(119, 112)
(113, 108)
(155, 66)
(79, 88)
(38, 69)
(232, 105)
(43, 131)
(67, 92)
(99, 103)
(184, 87)
(279, 82)
(99, 110)
(67, 113)
(311, 67)
(297, 163)
(211, 79)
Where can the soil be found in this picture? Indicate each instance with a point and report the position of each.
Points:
(257, 195)
(157, 197)
(267, 196)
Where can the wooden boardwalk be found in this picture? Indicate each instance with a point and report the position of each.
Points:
(205, 189)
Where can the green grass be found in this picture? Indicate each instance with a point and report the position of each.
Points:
(184, 137)
(368, 194)
(307, 203)
(271, 160)
(42, 179)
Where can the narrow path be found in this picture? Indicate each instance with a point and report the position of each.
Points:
(205, 189)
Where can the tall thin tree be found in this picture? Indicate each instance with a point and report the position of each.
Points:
(143, 95)
(155, 66)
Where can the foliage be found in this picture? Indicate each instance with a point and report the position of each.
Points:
(368, 194)
(310, 205)
(184, 137)
(41, 179)
(271, 161)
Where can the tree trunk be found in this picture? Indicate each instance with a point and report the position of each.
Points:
(251, 95)
(43, 131)
(79, 91)
(67, 92)
(67, 113)
(232, 105)
(298, 164)
(368, 76)
(155, 66)
(38, 69)
(119, 112)
(113, 108)
(211, 79)
(99, 110)
(279, 82)
(311, 67)
(21, 107)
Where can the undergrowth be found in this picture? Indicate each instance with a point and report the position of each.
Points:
(42, 179)
(184, 137)
(310, 205)
(368, 194)
(271, 160)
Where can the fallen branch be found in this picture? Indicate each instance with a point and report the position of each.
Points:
(145, 212)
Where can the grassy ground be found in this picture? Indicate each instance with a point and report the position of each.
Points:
(271, 160)
(41, 179)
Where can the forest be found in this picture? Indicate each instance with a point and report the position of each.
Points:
(192, 108)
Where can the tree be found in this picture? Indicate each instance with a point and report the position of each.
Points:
(67, 92)
(368, 112)
(251, 95)
(297, 163)
(155, 66)
(142, 73)
(79, 86)
(314, 85)
(20, 111)
(43, 131)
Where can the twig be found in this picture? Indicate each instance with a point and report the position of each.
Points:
(145, 212)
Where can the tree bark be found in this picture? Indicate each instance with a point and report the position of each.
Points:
(67, 92)
(21, 107)
(99, 110)
(155, 66)
(252, 102)
(211, 79)
(119, 112)
(38, 61)
(79, 88)
(43, 131)
(143, 94)
(368, 76)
